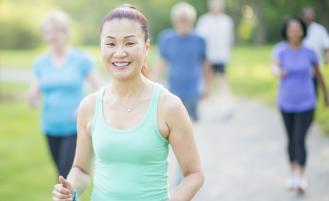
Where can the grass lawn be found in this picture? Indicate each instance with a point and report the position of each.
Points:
(27, 173)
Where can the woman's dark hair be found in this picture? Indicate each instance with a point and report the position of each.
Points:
(286, 24)
(127, 11)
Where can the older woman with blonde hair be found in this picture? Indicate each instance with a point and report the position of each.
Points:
(59, 76)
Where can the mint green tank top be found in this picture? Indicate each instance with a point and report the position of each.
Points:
(130, 164)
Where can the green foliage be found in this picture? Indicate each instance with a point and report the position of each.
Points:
(17, 34)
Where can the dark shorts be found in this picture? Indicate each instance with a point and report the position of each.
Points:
(218, 68)
(191, 105)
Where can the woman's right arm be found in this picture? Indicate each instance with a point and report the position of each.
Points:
(79, 176)
(33, 93)
(277, 69)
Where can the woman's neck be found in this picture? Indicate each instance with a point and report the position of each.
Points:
(60, 51)
(59, 55)
(295, 45)
(126, 88)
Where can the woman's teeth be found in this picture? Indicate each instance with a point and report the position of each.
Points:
(121, 64)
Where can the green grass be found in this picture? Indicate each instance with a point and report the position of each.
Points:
(27, 172)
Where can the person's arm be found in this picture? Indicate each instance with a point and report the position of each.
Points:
(79, 176)
(322, 84)
(181, 139)
(33, 93)
(326, 59)
(277, 69)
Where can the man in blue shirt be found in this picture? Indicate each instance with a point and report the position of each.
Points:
(184, 53)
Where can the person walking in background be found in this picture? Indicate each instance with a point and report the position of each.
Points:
(296, 98)
(59, 76)
(218, 30)
(125, 128)
(183, 52)
(317, 38)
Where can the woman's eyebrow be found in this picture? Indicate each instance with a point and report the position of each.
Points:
(129, 36)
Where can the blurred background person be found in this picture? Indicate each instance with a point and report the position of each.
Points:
(217, 29)
(317, 38)
(296, 97)
(183, 53)
(59, 77)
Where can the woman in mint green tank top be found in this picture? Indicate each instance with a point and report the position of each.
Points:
(124, 129)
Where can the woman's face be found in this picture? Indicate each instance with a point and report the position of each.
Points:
(294, 32)
(123, 48)
(183, 23)
(55, 37)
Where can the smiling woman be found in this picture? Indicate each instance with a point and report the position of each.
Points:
(126, 127)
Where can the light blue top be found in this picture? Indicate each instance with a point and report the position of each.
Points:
(185, 56)
(62, 91)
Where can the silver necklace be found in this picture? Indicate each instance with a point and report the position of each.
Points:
(130, 108)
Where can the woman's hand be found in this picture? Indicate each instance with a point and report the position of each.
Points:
(279, 72)
(63, 191)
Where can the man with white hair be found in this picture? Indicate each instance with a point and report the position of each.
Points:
(217, 29)
(184, 53)
(317, 38)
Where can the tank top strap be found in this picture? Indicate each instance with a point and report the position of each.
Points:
(154, 104)
(98, 108)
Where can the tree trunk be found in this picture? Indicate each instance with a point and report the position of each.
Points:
(322, 12)
(260, 31)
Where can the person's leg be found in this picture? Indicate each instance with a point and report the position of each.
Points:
(288, 120)
(224, 92)
(303, 122)
(66, 154)
(54, 144)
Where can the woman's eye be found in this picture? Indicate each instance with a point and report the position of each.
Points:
(130, 44)
(110, 44)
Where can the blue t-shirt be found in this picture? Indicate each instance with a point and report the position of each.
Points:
(185, 56)
(296, 91)
(62, 91)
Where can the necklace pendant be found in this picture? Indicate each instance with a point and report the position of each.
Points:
(128, 110)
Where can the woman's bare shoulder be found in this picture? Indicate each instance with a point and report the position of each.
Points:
(169, 103)
(88, 104)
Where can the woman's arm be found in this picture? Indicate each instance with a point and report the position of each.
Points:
(277, 69)
(181, 138)
(33, 93)
(79, 176)
(322, 84)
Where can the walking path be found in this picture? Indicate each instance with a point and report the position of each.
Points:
(244, 157)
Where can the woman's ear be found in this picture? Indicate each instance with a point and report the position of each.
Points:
(147, 46)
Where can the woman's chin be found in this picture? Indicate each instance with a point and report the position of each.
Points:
(121, 75)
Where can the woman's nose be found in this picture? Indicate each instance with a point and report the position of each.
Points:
(119, 52)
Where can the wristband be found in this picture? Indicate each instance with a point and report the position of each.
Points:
(75, 197)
